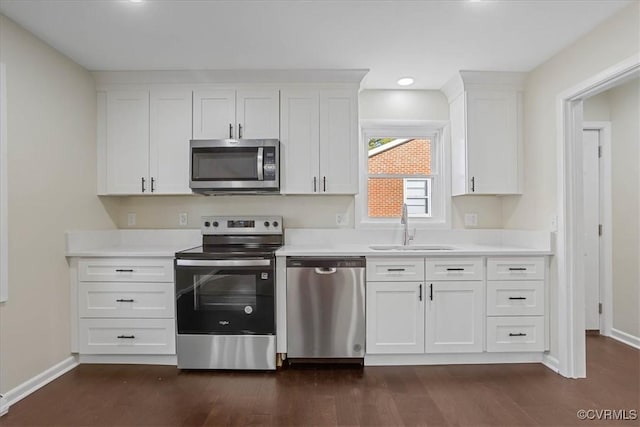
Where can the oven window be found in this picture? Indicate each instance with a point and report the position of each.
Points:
(218, 292)
(223, 164)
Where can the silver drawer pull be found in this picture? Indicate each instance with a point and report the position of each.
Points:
(517, 268)
(124, 300)
(127, 337)
(395, 269)
(519, 334)
(455, 269)
(124, 270)
(517, 298)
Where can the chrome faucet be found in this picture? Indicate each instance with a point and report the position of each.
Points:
(404, 220)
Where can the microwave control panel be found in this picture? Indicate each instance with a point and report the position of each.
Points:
(269, 164)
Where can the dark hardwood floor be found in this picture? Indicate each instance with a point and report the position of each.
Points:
(469, 395)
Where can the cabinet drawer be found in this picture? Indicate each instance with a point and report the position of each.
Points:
(403, 269)
(455, 269)
(515, 298)
(515, 268)
(125, 270)
(515, 333)
(100, 299)
(127, 336)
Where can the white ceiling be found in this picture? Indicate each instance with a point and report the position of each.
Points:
(429, 40)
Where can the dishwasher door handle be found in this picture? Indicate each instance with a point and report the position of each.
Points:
(325, 270)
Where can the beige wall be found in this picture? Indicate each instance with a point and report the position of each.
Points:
(429, 105)
(624, 103)
(51, 113)
(611, 42)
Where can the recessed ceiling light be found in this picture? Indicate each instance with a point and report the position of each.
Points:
(135, 1)
(405, 81)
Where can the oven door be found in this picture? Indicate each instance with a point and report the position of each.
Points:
(230, 296)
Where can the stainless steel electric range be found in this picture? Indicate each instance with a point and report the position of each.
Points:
(225, 295)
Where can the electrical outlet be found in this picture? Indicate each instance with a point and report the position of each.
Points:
(471, 220)
(341, 219)
(131, 219)
(183, 218)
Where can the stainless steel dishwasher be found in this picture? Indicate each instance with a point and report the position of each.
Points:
(325, 308)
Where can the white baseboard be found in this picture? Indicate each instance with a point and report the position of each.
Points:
(450, 359)
(551, 362)
(4, 406)
(626, 338)
(26, 388)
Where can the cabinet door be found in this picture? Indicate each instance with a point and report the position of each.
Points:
(338, 142)
(455, 317)
(127, 142)
(214, 114)
(170, 132)
(395, 317)
(299, 143)
(458, 146)
(258, 114)
(492, 142)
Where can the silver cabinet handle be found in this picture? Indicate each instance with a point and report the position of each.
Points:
(230, 131)
(239, 131)
(223, 263)
(143, 189)
(259, 159)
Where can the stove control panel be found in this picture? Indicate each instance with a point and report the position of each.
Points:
(241, 225)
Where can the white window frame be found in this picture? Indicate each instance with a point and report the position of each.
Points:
(427, 197)
(438, 132)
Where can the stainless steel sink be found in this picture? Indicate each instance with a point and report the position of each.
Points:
(411, 248)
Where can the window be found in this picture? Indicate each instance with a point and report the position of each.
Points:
(403, 163)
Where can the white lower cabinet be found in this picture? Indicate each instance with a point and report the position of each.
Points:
(127, 336)
(395, 320)
(125, 306)
(455, 317)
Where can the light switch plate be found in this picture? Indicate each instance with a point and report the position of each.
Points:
(341, 219)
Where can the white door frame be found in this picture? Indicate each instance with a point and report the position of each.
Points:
(570, 315)
(606, 241)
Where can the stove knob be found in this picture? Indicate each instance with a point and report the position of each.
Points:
(215, 223)
(266, 223)
(207, 223)
(275, 223)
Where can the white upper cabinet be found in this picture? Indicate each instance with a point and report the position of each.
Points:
(486, 132)
(127, 142)
(170, 132)
(319, 141)
(239, 114)
(143, 141)
(300, 141)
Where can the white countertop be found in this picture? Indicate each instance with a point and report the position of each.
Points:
(365, 250)
(130, 243)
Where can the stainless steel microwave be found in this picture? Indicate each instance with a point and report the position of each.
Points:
(219, 166)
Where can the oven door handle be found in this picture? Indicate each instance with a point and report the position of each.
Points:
(223, 263)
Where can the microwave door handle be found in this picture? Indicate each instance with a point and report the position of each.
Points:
(259, 160)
